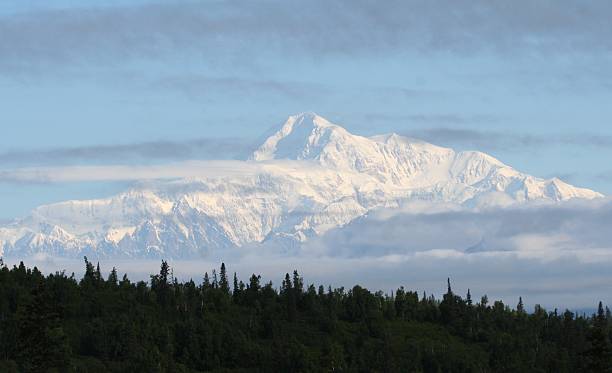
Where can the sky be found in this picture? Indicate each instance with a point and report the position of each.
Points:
(154, 83)
(141, 82)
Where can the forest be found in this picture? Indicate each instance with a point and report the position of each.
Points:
(220, 323)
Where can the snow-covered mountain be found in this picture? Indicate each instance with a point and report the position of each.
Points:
(306, 178)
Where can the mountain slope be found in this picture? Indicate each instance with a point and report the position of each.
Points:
(406, 163)
(306, 178)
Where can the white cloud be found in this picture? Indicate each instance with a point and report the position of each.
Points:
(545, 231)
(185, 169)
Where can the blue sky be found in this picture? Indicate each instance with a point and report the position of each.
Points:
(109, 82)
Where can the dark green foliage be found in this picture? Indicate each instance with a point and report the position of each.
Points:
(58, 324)
(42, 344)
(599, 355)
(223, 282)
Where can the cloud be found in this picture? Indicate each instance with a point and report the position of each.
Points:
(575, 229)
(197, 84)
(203, 148)
(243, 33)
(466, 131)
(554, 254)
(178, 170)
(504, 140)
(477, 139)
(433, 119)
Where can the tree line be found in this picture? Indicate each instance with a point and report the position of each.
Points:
(58, 323)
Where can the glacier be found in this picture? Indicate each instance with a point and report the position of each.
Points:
(308, 177)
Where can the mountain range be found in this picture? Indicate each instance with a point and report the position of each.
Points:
(306, 178)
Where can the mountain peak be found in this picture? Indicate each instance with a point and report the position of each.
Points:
(306, 115)
(298, 138)
(388, 158)
(309, 120)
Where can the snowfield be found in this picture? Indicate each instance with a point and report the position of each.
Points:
(307, 178)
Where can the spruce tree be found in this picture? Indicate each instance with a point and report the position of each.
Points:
(484, 301)
(164, 271)
(206, 281)
(298, 283)
(98, 275)
(215, 279)
(112, 278)
(89, 278)
(287, 286)
(289, 297)
(125, 281)
(520, 308)
(236, 288)
(254, 285)
(43, 345)
(599, 354)
(160, 284)
(448, 306)
(223, 281)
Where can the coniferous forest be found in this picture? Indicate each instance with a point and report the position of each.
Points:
(58, 323)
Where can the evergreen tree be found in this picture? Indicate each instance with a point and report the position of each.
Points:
(42, 342)
(236, 292)
(164, 271)
(599, 355)
(223, 281)
(254, 285)
(484, 301)
(125, 282)
(112, 278)
(162, 327)
(206, 281)
(520, 308)
(215, 279)
(98, 275)
(448, 306)
(287, 286)
(160, 284)
(298, 283)
(289, 296)
(89, 278)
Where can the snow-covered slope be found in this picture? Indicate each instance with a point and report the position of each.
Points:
(308, 177)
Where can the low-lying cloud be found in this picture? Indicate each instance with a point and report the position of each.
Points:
(576, 229)
(558, 283)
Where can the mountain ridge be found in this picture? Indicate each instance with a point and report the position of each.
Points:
(308, 177)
